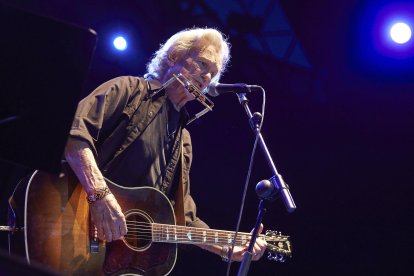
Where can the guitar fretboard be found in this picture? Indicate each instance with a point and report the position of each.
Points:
(191, 235)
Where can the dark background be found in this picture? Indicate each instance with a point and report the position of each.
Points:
(338, 124)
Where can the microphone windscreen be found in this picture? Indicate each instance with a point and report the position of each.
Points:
(211, 89)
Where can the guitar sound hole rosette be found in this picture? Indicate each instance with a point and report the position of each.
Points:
(139, 235)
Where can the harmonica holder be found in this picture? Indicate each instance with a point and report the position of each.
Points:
(195, 91)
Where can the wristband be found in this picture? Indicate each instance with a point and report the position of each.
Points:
(98, 194)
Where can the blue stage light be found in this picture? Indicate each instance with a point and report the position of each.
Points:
(120, 43)
(392, 31)
(400, 33)
(384, 45)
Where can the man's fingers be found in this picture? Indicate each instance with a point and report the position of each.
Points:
(262, 243)
(123, 229)
(261, 228)
(259, 246)
(119, 226)
(108, 233)
(115, 231)
(100, 232)
(256, 250)
(108, 218)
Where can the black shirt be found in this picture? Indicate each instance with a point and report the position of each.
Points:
(154, 148)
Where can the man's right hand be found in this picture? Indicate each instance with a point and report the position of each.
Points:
(108, 218)
(105, 212)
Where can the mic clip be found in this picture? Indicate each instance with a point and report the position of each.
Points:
(256, 120)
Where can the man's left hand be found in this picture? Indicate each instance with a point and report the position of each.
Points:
(258, 249)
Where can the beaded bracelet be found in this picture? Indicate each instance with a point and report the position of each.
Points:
(98, 194)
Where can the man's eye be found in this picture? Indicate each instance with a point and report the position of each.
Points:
(202, 64)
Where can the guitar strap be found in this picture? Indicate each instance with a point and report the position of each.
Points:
(179, 195)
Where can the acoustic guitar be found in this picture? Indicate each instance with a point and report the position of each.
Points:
(50, 218)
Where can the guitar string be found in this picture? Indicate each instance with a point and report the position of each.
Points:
(180, 235)
(207, 240)
(147, 232)
(164, 228)
(149, 237)
(178, 239)
(138, 230)
(178, 230)
(183, 237)
(162, 233)
(278, 247)
(193, 229)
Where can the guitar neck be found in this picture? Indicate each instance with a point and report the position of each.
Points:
(192, 235)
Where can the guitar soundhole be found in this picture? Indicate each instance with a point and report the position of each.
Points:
(139, 236)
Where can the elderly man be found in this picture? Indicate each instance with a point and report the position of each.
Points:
(130, 130)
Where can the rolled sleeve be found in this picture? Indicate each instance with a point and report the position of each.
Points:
(100, 111)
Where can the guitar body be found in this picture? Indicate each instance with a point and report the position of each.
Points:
(57, 232)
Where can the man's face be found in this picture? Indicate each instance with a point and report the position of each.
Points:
(200, 66)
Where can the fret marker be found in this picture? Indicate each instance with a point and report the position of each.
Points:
(175, 232)
(189, 235)
(216, 237)
(204, 236)
(228, 238)
(244, 239)
(168, 235)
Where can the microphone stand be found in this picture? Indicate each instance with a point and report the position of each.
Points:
(265, 192)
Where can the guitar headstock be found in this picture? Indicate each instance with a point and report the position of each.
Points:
(278, 245)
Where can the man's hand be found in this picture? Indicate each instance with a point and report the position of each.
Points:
(239, 251)
(106, 213)
(258, 249)
(108, 218)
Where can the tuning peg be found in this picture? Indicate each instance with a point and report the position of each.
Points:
(276, 257)
(271, 233)
(281, 259)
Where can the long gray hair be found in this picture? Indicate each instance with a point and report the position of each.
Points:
(182, 43)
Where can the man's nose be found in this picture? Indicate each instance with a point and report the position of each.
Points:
(206, 78)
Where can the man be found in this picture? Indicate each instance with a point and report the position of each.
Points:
(129, 129)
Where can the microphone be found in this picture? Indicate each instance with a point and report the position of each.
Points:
(215, 88)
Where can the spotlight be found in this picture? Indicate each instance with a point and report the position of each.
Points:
(120, 43)
(400, 33)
